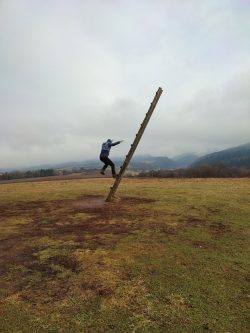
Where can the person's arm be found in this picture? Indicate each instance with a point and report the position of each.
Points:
(115, 143)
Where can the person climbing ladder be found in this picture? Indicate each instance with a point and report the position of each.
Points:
(104, 156)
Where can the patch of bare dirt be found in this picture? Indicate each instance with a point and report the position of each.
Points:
(51, 218)
(90, 202)
(219, 228)
(20, 269)
(194, 221)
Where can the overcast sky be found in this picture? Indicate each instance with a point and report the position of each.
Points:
(75, 73)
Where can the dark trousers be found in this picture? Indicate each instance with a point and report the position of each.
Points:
(107, 161)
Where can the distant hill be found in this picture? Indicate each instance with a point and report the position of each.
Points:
(185, 160)
(232, 157)
(149, 162)
(140, 162)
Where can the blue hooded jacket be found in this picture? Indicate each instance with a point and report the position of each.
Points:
(106, 146)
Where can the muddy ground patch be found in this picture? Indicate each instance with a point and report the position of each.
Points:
(37, 256)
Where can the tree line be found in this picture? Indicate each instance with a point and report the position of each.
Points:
(205, 171)
(40, 173)
(27, 174)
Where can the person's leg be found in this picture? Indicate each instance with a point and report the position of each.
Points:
(106, 163)
(112, 166)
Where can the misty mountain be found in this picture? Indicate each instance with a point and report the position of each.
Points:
(141, 162)
(185, 160)
(232, 157)
(149, 162)
(138, 162)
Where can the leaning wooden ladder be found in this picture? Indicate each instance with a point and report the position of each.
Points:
(134, 145)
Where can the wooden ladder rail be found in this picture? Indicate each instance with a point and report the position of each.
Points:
(134, 145)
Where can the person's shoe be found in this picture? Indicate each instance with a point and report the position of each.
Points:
(114, 175)
(102, 172)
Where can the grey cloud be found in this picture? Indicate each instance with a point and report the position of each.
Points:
(74, 73)
(214, 118)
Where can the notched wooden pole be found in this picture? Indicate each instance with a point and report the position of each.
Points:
(134, 145)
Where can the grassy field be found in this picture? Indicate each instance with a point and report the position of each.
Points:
(167, 256)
